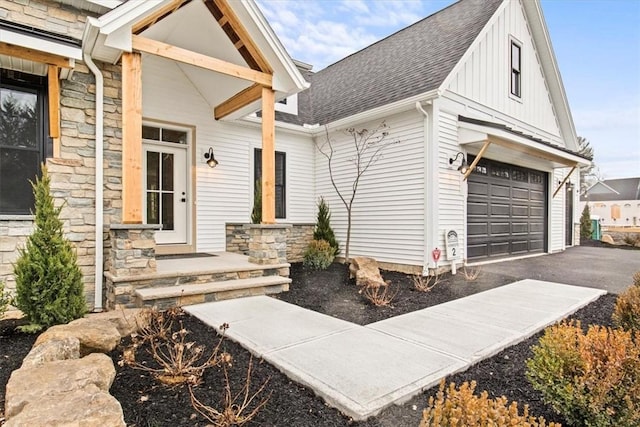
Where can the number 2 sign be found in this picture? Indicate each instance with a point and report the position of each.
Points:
(452, 245)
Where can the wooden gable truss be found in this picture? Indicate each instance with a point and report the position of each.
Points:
(258, 72)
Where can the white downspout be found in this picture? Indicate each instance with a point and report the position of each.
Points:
(99, 180)
(427, 208)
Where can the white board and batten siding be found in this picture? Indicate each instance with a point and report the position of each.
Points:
(451, 189)
(484, 78)
(388, 212)
(224, 193)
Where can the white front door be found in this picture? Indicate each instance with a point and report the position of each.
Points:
(166, 190)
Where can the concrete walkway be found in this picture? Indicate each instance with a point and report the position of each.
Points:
(362, 369)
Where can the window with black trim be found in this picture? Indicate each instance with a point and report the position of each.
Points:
(24, 144)
(280, 179)
(516, 70)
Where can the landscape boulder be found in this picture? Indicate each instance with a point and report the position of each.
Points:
(126, 321)
(51, 351)
(89, 406)
(94, 335)
(606, 238)
(30, 386)
(366, 272)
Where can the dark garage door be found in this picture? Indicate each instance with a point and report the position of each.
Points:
(506, 211)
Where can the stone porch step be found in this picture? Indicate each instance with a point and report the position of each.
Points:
(196, 293)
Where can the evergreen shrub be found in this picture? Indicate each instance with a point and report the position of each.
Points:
(586, 228)
(323, 230)
(49, 288)
(592, 378)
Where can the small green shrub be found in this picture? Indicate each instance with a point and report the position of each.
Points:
(585, 223)
(323, 230)
(319, 255)
(5, 299)
(49, 288)
(592, 379)
(626, 314)
(256, 212)
(455, 407)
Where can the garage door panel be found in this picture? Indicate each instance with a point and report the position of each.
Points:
(479, 188)
(477, 208)
(519, 211)
(500, 191)
(500, 210)
(520, 193)
(506, 211)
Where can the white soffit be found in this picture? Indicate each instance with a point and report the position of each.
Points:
(40, 44)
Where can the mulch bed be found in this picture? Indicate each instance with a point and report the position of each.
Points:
(14, 346)
(601, 244)
(147, 403)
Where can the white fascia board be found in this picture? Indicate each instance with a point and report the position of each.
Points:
(109, 4)
(128, 14)
(40, 44)
(299, 83)
(379, 112)
(254, 121)
(471, 132)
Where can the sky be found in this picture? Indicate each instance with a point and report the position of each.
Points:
(596, 43)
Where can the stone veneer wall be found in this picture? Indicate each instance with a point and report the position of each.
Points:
(73, 173)
(298, 238)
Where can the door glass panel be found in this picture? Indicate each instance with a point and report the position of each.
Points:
(153, 208)
(149, 132)
(153, 170)
(177, 136)
(167, 211)
(167, 172)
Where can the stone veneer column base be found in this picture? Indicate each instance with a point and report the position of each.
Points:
(267, 243)
(132, 253)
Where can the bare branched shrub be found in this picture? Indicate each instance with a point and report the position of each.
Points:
(470, 273)
(177, 360)
(380, 296)
(425, 283)
(237, 409)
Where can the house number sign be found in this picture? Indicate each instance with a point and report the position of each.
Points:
(452, 245)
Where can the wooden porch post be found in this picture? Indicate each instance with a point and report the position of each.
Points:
(131, 138)
(268, 157)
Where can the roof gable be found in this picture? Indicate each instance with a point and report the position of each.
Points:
(414, 60)
(614, 189)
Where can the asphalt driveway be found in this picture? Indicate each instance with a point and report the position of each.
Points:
(602, 268)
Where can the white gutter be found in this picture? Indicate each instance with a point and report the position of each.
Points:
(428, 210)
(99, 180)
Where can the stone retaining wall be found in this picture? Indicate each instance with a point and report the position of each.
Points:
(298, 237)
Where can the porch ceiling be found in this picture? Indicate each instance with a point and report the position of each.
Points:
(193, 28)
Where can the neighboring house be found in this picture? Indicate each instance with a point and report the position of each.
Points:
(615, 201)
(150, 91)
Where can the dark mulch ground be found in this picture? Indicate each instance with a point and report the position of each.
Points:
(14, 346)
(146, 403)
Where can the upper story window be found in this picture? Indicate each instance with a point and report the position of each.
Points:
(24, 144)
(516, 69)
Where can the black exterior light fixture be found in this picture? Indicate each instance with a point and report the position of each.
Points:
(211, 159)
(463, 166)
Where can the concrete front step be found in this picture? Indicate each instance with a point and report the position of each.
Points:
(196, 293)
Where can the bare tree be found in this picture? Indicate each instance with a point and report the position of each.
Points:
(368, 145)
(588, 174)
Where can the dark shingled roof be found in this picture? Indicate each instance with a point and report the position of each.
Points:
(629, 189)
(412, 61)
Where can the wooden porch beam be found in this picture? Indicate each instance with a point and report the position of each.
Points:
(564, 181)
(35, 55)
(159, 14)
(268, 156)
(472, 166)
(131, 138)
(237, 101)
(54, 107)
(240, 31)
(154, 47)
(533, 152)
